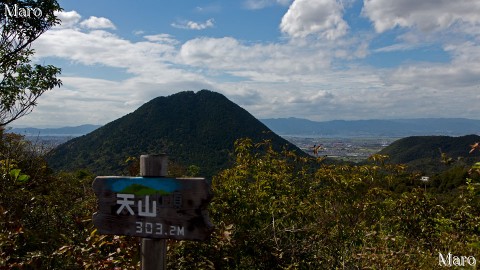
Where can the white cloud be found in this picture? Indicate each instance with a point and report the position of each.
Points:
(314, 17)
(68, 18)
(463, 71)
(257, 62)
(191, 25)
(97, 23)
(104, 48)
(162, 38)
(259, 4)
(207, 51)
(427, 15)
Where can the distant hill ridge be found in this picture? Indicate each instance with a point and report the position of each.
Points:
(340, 128)
(192, 128)
(63, 131)
(424, 153)
(359, 128)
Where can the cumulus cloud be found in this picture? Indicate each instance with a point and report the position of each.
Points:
(68, 18)
(314, 17)
(104, 48)
(426, 15)
(267, 62)
(207, 51)
(463, 71)
(191, 25)
(97, 23)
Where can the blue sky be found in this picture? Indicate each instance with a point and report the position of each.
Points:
(315, 59)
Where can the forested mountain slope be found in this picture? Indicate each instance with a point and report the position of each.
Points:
(192, 128)
(425, 152)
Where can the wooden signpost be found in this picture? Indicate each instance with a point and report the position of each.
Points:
(152, 206)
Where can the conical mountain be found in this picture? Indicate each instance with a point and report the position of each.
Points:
(192, 128)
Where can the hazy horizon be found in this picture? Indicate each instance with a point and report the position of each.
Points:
(292, 117)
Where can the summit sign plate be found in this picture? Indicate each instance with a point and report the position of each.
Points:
(153, 207)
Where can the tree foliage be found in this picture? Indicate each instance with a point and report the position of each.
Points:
(22, 83)
(272, 210)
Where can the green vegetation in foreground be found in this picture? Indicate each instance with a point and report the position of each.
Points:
(272, 210)
(142, 190)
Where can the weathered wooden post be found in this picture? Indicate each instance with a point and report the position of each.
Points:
(153, 207)
(153, 251)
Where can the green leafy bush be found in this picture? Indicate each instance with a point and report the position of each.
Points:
(271, 209)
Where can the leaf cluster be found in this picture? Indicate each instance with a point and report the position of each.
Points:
(273, 211)
(39, 211)
(21, 82)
